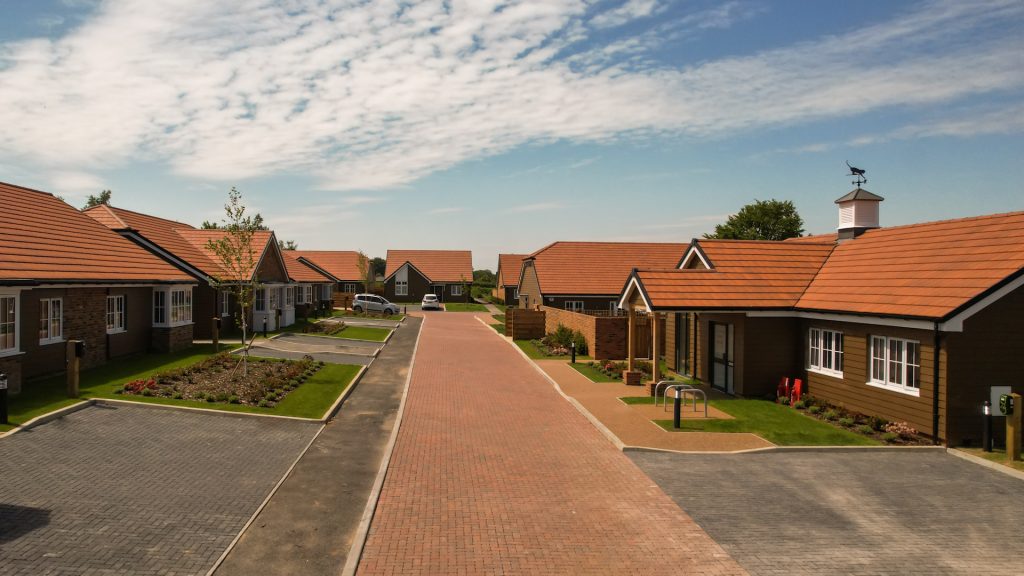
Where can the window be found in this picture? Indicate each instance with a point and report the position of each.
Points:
(261, 300)
(181, 306)
(401, 287)
(8, 324)
(825, 352)
(896, 364)
(574, 305)
(225, 304)
(349, 287)
(289, 297)
(159, 307)
(115, 314)
(51, 320)
(327, 290)
(516, 294)
(456, 289)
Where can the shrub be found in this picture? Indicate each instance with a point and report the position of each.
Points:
(784, 400)
(846, 422)
(809, 400)
(263, 404)
(211, 398)
(581, 343)
(177, 395)
(271, 396)
(890, 437)
(865, 429)
(233, 399)
(877, 423)
(201, 396)
(901, 429)
(147, 392)
(814, 409)
(799, 405)
(830, 415)
(119, 390)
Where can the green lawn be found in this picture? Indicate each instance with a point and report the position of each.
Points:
(343, 313)
(593, 373)
(310, 400)
(363, 333)
(997, 455)
(462, 307)
(499, 326)
(532, 351)
(776, 423)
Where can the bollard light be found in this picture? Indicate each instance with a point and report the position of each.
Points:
(675, 408)
(986, 434)
(3, 398)
(573, 346)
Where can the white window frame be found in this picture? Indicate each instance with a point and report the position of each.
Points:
(273, 298)
(349, 287)
(327, 291)
(308, 289)
(289, 296)
(115, 314)
(516, 294)
(401, 287)
(159, 307)
(46, 332)
(14, 323)
(260, 300)
(180, 309)
(574, 305)
(456, 289)
(825, 352)
(896, 372)
(225, 303)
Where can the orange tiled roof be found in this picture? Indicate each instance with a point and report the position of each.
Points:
(299, 272)
(746, 274)
(437, 265)
(509, 267)
(42, 238)
(924, 270)
(200, 240)
(342, 264)
(599, 268)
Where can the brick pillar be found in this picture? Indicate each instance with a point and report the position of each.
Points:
(655, 371)
(631, 341)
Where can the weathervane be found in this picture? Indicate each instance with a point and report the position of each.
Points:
(858, 174)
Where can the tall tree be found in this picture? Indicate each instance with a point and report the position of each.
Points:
(207, 225)
(762, 220)
(287, 245)
(93, 201)
(237, 258)
(484, 278)
(380, 266)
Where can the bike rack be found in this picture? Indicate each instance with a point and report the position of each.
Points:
(658, 386)
(685, 389)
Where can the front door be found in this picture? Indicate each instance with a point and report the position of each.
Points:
(722, 362)
(438, 290)
(683, 343)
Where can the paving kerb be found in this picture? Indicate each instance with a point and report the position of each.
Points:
(48, 417)
(986, 463)
(309, 525)
(356, 551)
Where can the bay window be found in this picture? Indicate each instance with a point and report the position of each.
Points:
(172, 306)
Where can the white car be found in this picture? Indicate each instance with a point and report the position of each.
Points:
(430, 302)
(373, 303)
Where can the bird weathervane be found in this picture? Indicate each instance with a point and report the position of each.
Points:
(858, 174)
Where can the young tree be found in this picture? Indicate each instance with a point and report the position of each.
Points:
(368, 270)
(237, 256)
(207, 225)
(93, 201)
(380, 266)
(762, 220)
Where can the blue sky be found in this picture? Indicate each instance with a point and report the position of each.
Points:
(503, 126)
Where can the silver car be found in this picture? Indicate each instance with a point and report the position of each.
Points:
(373, 303)
(430, 302)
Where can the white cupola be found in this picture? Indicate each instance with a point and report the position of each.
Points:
(858, 212)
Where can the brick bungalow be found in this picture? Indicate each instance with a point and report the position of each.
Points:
(587, 276)
(341, 266)
(507, 277)
(910, 323)
(313, 288)
(187, 248)
(63, 276)
(411, 274)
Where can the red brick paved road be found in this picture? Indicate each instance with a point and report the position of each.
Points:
(495, 473)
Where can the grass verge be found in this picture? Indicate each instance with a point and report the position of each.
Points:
(463, 307)
(351, 314)
(363, 333)
(997, 455)
(778, 424)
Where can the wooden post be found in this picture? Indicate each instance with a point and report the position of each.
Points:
(1013, 429)
(73, 362)
(655, 369)
(631, 341)
(215, 325)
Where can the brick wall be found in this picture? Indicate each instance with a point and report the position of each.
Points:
(172, 339)
(11, 365)
(85, 318)
(606, 336)
(523, 324)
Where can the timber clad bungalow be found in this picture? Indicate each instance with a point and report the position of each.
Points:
(910, 323)
(587, 276)
(341, 266)
(187, 248)
(509, 268)
(63, 277)
(312, 288)
(411, 274)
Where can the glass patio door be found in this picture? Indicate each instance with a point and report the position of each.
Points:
(722, 363)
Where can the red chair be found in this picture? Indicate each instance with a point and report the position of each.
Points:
(798, 391)
(783, 390)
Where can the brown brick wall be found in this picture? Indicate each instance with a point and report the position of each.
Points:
(529, 288)
(606, 336)
(523, 324)
(172, 339)
(138, 318)
(84, 311)
(11, 365)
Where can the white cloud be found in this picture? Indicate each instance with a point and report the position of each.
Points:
(538, 207)
(449, 210)
(370, 95)
(627, 12)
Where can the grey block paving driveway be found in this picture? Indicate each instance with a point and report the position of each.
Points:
(127, 490)
(903, 513)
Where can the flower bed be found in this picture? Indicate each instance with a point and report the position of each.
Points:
(615, 369)
(899, 433)
(327, 328)
(219, 379)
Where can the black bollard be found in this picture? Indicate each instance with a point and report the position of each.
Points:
(264, 326)
(3, 398)
(986, 438)
(573, 346)
(675, 410)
